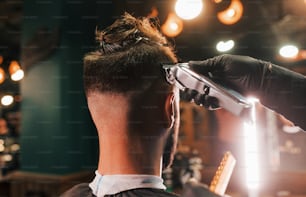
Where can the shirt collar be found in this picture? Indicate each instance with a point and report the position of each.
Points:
(112, 184)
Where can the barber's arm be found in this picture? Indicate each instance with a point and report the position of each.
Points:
(276, 87)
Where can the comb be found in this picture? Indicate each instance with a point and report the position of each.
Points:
(223, 174)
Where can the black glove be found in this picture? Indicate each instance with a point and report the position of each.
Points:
(200, 99)
(276, 87)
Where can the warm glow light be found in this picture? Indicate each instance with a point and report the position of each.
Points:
(2, 147)
(1, 59)
(15, 71)
(296, 54)
(232, 14)
(15, 147)
(2, 75)
(289, 51)
(7, 157)
(251, 151)
(18, 75)
(14, 66)
(225, 46)
(173, 26)
(153, 13)
(188, 9)
(7, 100)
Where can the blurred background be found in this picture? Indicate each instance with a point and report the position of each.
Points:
(47, 140)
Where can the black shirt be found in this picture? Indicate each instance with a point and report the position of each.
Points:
(83, 190)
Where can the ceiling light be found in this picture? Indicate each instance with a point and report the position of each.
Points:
(7, 100)
(224, 46)
(15, 71)
(18, 75)
(173, 26)
(289, 51)
(188, 9)
(2, 75)
(232, 14)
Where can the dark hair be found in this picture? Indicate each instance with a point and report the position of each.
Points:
(129, 57)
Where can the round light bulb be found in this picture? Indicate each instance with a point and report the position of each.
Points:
(7, 100)
(188, 9)
(225, 46)
(18, 75)
(289, 51)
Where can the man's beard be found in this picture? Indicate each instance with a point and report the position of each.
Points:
(170, 146)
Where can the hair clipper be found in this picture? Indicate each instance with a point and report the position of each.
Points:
(208, 93)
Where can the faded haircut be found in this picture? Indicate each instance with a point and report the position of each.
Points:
(128, 58)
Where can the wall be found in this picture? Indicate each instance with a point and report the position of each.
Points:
(57, 134)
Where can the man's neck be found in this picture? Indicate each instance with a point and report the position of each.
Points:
(119, 155)
(123, 151)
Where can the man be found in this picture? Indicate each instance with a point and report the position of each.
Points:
(276, 87)
(136, 112)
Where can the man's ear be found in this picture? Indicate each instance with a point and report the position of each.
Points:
(169, 110)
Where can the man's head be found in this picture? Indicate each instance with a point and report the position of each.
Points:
(128, 65)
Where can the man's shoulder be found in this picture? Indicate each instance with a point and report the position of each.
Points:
(80, 190)
(83, 190)
(145, 192)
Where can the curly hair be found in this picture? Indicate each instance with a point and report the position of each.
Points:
(129, 57)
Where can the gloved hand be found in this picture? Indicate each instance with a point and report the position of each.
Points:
(276, 87)
(241, 73)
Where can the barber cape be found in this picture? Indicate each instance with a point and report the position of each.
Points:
(121, 186)
(134, 186)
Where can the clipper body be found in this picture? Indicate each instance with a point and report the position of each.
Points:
(209, 94)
